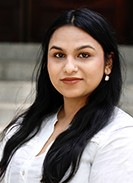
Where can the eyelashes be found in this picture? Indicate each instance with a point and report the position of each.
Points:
(84, 55)
(80, 55)
(59, 55)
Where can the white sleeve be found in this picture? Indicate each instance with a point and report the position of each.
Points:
(113, 162)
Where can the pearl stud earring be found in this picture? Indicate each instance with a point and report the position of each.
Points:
(106, 78)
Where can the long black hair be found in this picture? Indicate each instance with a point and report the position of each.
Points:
(66, 151)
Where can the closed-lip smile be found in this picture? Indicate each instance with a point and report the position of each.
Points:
(71, 80)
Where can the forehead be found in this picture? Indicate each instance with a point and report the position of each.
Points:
(71, 35)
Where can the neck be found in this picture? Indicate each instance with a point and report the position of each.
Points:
(71, 107)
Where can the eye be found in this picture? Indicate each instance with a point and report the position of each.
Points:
(83, 55)
(59, 55)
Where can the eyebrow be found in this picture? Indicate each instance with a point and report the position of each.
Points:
(56, 47)
(79, 48)
(85, 46)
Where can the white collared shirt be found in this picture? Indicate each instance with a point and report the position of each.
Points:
(108, 157)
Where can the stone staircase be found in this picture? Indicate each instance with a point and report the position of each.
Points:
(126, 101)
(17, 63)
(16, 66)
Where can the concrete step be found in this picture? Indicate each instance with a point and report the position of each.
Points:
(18, 51)
(14, 97)
(127, 60)
(17, 61)
(127, 53)
(18, 71)
(16, 91)
(9, 110)
(126, 101)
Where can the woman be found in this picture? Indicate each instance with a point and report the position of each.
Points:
(73, 132)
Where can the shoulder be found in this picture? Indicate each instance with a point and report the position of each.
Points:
(113, 156)
(119, 120)
(119, 126)
(121, 117)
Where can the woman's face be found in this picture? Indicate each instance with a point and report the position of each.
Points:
(75, 62)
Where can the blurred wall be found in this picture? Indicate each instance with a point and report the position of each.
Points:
(25, 20)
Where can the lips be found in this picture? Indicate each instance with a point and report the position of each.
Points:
(71, 80)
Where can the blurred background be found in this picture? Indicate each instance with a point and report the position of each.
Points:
(25, 20)
(22, 24)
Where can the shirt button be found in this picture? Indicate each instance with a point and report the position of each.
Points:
(23, 172)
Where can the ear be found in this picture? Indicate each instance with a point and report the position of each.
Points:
(108, 65)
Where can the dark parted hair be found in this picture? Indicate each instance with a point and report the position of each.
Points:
(66, 151)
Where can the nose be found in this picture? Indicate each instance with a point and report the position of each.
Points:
(70, 66)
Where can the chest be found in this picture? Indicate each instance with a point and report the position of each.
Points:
(26, 167)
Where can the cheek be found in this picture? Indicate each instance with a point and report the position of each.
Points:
(50, 72)
(51, 68)
(95, 74)
(97, 68)
(53, 73)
